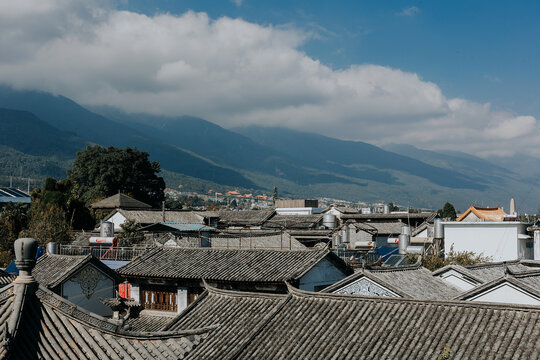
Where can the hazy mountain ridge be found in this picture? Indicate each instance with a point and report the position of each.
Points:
(65, 114)
(299, 163)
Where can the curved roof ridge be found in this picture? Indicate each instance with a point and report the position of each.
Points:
(502, 279)
(104, 324)
(415, 266)
(234, 293)
(452, 302)
(492, 264)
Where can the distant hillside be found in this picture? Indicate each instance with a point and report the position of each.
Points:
(24, 132)
(65, 114)
(223, 147)
(40, 134)
(354, 158)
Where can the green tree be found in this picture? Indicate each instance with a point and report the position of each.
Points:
(463, 258)
(48, 223)
(448, 212)
(275, 195)
(63, 194)
(13, 220)
(99, 172)
(130, 234)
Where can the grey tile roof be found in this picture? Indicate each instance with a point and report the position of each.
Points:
(147, 217)
(491, 271)
(255, 239)
(52, 270)
(304, 325)
(414, 282)
(6, 278)
(146, 323)
(293, 221)
(120, 201)
(267, 266)
(415, 216)
(244, 217)
(42, 325)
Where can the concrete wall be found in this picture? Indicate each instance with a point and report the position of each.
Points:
(325, 273)
(496, 239)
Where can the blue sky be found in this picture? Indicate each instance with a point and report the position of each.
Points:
(440, 75)
(486, 51)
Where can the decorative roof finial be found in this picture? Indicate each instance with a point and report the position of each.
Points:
(25, 254)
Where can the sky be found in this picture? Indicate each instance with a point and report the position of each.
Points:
(457, 75)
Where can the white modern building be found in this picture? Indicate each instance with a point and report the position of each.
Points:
(501, 240)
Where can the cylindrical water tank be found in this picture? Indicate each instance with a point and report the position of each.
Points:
(386, 209)
(106, 229)
(404, 241)
(329, 221)
(438, 229)
(52, 248)
(406, 229)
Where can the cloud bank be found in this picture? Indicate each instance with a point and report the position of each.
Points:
(233, 72)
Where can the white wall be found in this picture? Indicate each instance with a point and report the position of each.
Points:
(117, 219)
(507, 293)
(455, 278)
(496, 239)
(325, 273)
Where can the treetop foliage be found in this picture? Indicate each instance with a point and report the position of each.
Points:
(448, 212)
(100, 172)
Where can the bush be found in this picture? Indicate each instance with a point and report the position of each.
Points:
(463, 258)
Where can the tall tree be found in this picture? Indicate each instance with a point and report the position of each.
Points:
(448, 212)
(13, 220)
(99, 172)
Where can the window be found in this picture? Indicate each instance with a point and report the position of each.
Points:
(156, 297)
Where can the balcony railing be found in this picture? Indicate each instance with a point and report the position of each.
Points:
(104, 252)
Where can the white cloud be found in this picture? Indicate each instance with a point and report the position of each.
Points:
(409, 11)
(237, 2)
(233, 72)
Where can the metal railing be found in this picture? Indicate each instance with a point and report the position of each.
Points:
(104, 252)
(353, 256)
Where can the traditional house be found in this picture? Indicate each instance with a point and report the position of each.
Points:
(252, 219)
(294, 222)
(36, 323)
(302, 325)
(255, 239)
(520, 288)
(150, 217)
(82, 280)
(120, 201)
(475, 214)
(516, 282)
(413, 282)
(169, 279)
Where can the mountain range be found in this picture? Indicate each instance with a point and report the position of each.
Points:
(40, 134)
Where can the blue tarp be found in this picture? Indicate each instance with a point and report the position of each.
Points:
(12, 269)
